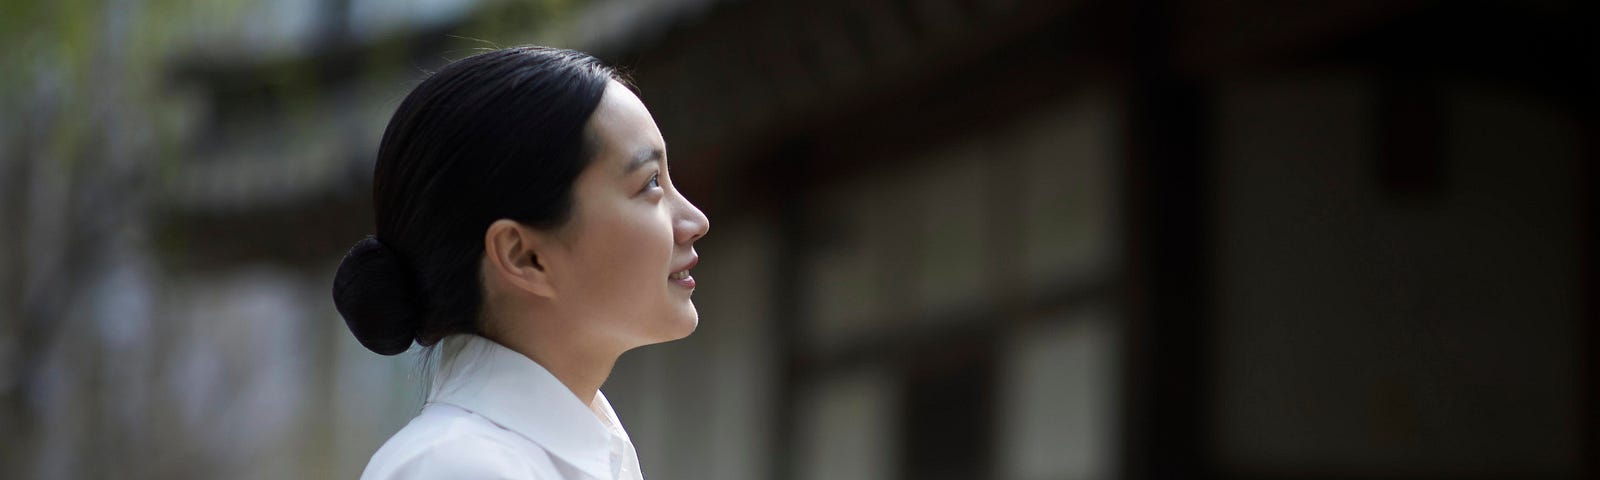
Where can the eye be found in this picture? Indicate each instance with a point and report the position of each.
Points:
(655, 182)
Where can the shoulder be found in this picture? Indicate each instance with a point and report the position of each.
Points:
(447, 442)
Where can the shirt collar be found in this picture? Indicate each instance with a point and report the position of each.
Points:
(515, 392)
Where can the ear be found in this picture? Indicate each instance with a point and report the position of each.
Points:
(511, 258)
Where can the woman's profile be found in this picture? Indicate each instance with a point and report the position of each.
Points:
(526, 224)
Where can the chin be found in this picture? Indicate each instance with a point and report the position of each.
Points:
(677, 324)
(684, 325)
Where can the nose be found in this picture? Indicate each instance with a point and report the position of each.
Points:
(690, 224)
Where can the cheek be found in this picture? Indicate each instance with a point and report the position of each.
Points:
(629, 251)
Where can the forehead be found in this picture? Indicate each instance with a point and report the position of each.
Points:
(622, 126)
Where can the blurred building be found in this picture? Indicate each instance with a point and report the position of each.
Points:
(1014, 239)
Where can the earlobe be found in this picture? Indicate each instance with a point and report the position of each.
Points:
(512, 253)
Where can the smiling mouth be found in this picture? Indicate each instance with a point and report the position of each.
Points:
(682, 279)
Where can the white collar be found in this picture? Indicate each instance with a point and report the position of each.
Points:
(513, 391)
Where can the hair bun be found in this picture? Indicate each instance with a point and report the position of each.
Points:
(376, 294)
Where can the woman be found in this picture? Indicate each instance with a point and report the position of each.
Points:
(527, 224)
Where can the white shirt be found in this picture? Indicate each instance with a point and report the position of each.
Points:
(494, 413)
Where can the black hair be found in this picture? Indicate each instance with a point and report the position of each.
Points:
(496, 135)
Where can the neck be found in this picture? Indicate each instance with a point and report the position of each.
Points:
(581, 366)
(582, 373)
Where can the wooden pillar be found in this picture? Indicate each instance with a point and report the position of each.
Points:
(1164, 298)
(1588, 105)
(788, 308)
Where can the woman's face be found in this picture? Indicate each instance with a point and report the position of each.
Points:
(629, 244)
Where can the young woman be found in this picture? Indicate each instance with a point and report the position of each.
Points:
(526, 223)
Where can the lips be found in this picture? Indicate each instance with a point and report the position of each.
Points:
(682, 277)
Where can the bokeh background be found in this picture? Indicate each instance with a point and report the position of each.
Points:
(953, 239)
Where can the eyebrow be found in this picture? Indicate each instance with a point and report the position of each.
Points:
(644, 156)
